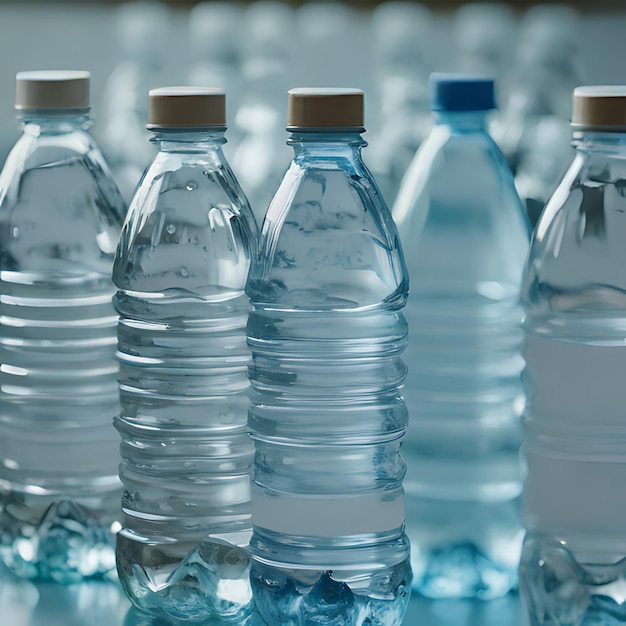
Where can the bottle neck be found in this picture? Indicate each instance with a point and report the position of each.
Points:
(345, 143)
(462, 121)
(189, 140)
(54, 122)
(601, 144)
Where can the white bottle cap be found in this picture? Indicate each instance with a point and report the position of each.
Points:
(325, 108)
(52, 89)
(186, 107)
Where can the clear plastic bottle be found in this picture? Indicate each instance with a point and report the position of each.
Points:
(181, 268)
(327, 417)
(465, 238)
(574, 555)
(60, 218)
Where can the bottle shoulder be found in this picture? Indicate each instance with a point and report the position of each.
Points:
(452, 170)
(328, 241)
(60, 209)
(577, 256)
(460, 218)
(189, 227)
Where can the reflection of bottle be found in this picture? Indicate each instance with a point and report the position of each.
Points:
(402, 40)
(327, 417)
(261, 157)
(574, 555)
(214, 37)
(143, 30)
(465, 237)
(181, 268)
(60, 217)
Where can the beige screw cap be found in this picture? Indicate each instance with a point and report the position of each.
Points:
(52, 89)
(186, 107)
(601, 108)
(325, 108)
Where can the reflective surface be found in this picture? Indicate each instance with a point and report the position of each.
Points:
(24, 603)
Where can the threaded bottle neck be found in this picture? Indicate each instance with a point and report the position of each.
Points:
(204, 139)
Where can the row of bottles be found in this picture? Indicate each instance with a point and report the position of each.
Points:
(255, 53)
(279, 350)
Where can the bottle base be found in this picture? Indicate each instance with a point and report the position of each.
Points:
(464, 549)
(461, 571)
(558, 590)
(294, 597)
(62, 540)
(204, 584)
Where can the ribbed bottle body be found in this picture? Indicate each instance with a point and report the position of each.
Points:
(575, 547)
(60, 216)
(466, 238)
(326, 333)
(181, 268)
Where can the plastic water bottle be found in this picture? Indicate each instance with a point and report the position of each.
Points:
(181, 268)
(466, 239)
(60, 217)
(327, 417)
(574, 555)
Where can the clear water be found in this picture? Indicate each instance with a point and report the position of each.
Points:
(572, 570)
(181, 267)
(327, 417)
(465, 239)
(60, 215)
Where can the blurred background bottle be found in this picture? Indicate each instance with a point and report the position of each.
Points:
(466, 237)
(261, 157)
(484, 40)
(180, 268)
(215, 44)
(326, 333)
(534, 129)
(60, 217)
(402, 39)
(142, 30)
(575, 548)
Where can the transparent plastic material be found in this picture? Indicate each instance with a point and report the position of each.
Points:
(60, 217)
(465, 237)
(327, 417)
(574, 556)
(181, 268)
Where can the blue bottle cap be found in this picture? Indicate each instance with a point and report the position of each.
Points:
(459, 92)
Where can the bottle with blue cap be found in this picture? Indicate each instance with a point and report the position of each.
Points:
(60, 219)
(465, 237)
(574, 291)
(327, 417)
(180, 268)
